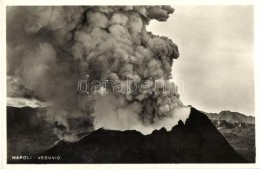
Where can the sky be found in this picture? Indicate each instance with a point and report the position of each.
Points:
(215, 70)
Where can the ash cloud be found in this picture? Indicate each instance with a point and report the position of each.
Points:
(51, 48)
(20, 96)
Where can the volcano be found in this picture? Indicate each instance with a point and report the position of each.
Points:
(195, 141)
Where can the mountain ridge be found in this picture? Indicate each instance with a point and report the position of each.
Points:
(196, 141)
(232, 117)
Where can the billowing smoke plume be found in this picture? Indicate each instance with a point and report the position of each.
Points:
(19, 96)
(52, 48)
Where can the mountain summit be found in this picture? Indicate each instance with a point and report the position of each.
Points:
(196, 141)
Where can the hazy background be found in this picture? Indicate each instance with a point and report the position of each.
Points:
(215, 70)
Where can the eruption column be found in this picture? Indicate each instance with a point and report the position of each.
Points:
(51, 48)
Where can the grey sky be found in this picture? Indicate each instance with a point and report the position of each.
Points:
(215, 70)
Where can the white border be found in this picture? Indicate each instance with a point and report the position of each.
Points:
(132, 2)
(5, 3)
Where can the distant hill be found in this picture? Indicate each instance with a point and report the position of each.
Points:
(231, 117)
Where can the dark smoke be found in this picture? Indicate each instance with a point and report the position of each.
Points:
(51, 48)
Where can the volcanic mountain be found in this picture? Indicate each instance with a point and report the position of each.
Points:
(196, 141)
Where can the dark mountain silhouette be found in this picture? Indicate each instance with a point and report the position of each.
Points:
(25, 118)
(232, 117)
(196, 141)
(28, 132)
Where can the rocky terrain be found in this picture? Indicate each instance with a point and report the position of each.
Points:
(239, 130)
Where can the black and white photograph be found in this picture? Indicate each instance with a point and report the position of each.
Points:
(130, 84)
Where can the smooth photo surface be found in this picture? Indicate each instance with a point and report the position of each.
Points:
(130, 84)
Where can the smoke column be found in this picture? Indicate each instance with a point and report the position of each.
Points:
(51, 48)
